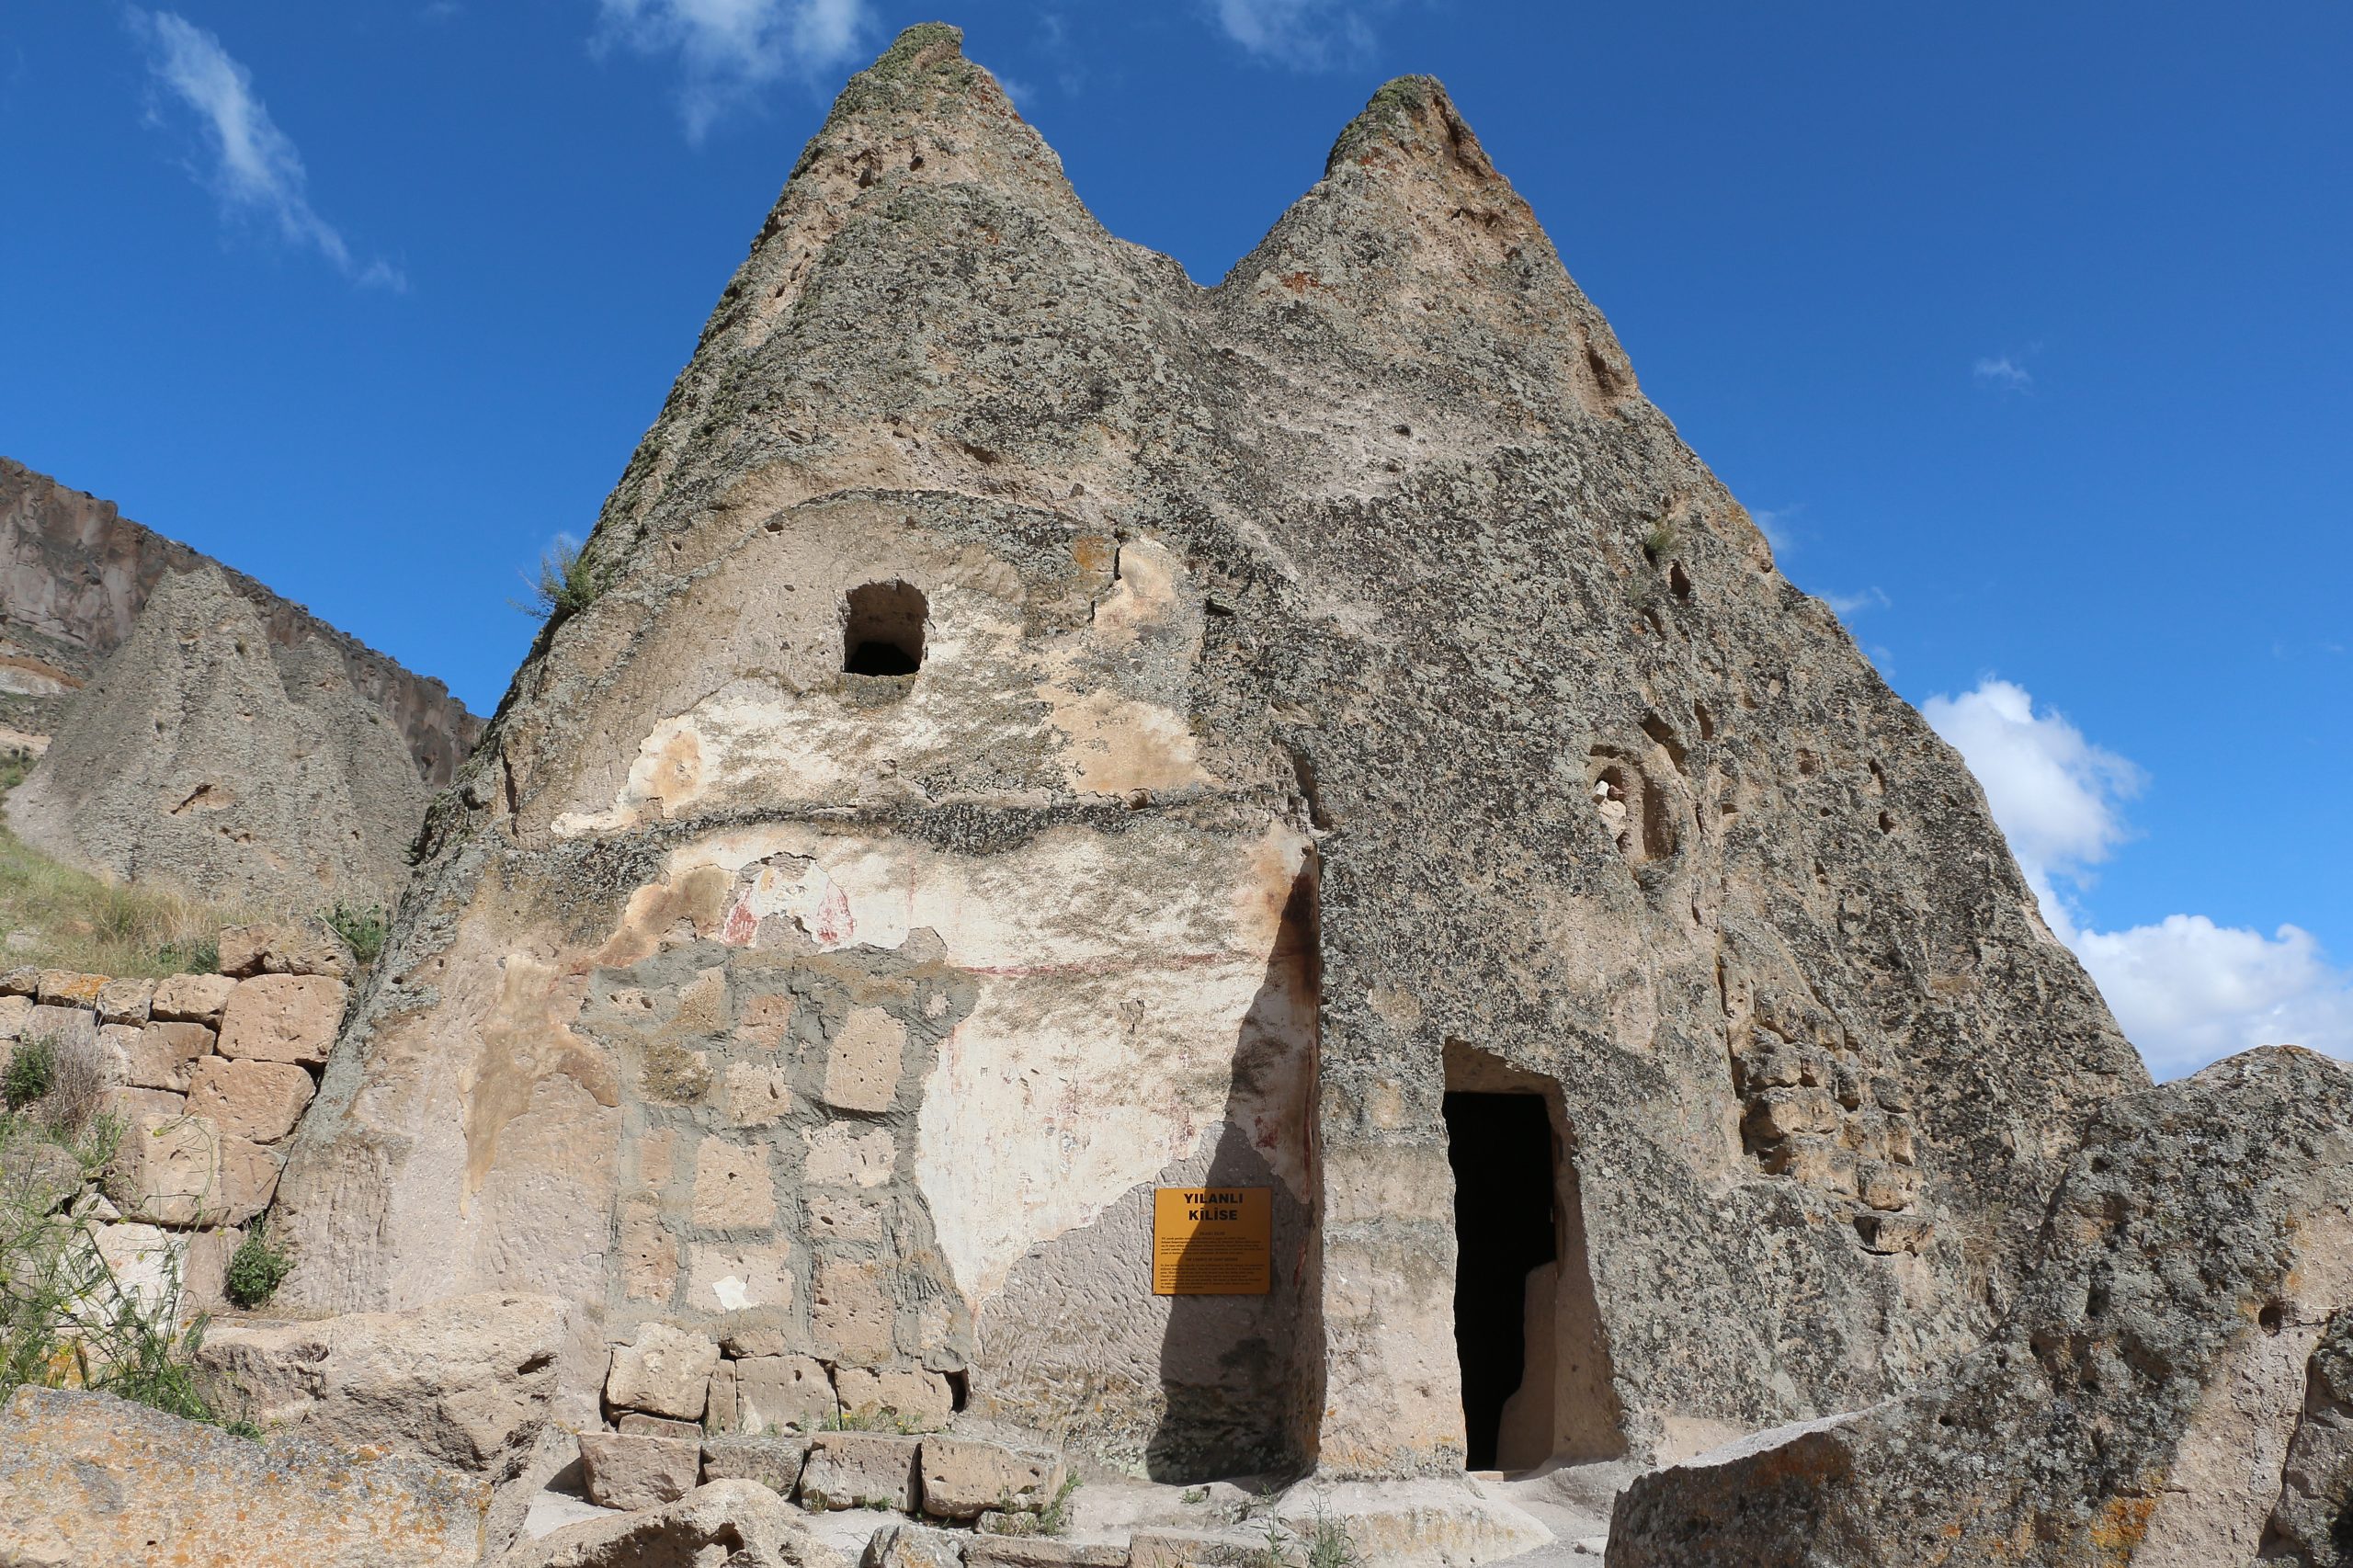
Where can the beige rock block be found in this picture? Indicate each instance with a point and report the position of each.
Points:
(637, 1424)
(70, 1028)
(162, 1054)
(739, 1524)
(754, 1095)
(862, 1066)
(733, 1188)
(963, 1478)
(95, 1482)
(147, 1261)
(839, 1216)
(665, 1371)
(285, 947)
(249, 1175)
(20, 981)
(774, 1460)
(69, 988)
(1042, 1552)
(918, 1398)
(282, 1017)
(778, 1393)
(466, 1381)
(191, 998)
(14, 1010)
(730, 1277)
(1192, 1549)
(861, 1470)
(914, 1546)
(843, 1153)
(204, 1272)
(125, 1001)
(115, 1044)
(648, 1253)
(257, 1100)
(627, 1471)
(764, 1022)
(1883, 1187)
(849, 1313)
(130, 1103)
(182, 1170)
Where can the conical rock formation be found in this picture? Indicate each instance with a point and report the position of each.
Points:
(1341, 699)
(204, 756)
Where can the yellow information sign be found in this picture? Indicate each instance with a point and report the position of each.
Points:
(1212, 1241)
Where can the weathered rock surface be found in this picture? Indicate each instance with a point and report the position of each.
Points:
(88, 1481)
(1329, 690)
(203, 756)
(727, 1523)
(963, 1478)
(625, 1470)
(861, 1470)
(466, 1381)
(2166, 1390)
(75, 573)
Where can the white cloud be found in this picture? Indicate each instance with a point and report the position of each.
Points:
(1775, 524)
(1306, 35)
(2002, 372)
(728, 50)
(254, 168)
(1846, 606)
(2184, 990)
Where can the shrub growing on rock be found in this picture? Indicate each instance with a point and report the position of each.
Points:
(256, 1269)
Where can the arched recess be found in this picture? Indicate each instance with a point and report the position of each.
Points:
(1535, 1360)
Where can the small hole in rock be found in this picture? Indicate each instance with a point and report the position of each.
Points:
(1707, 721)
(1886, 822)
(2273, 1315)
(1678, 581)
(883, 632)
(959, 1388)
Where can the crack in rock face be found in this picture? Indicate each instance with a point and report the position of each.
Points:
(1052, 731)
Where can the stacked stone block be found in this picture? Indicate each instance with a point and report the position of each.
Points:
(208, 1074)
(686, 1408)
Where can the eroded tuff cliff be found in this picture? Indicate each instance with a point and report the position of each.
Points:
(1331, 692)
(75, 574)
(205, 756)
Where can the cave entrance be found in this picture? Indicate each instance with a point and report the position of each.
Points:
(882, 630)
(1536, 1384)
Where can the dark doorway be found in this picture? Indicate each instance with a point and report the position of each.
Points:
(1501, 1148)
(882, 632)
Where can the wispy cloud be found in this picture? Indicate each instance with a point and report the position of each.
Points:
(2185, 989)
(1777, 524)
(1846, 606)
(1306, 35)
(253, 167)
(2002, 373)
(728, 50)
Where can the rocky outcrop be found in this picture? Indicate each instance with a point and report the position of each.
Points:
(738, 1523)
(202, 756)
(465, 1382)
(75, 575)
(88, 1481)
(2169, 1388)
(1052, 731)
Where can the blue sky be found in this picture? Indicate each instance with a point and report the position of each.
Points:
(2026, 329)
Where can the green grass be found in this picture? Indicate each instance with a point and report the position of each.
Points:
(256, 1268)
(67, 1321)
(364, 931)
(80, 921)
(568, 582)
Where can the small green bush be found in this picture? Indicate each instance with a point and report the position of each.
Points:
(32, 1072)
(568, 582)
(1054, 1517)
(256, 1269)
(363, 930)
(1329, 1544)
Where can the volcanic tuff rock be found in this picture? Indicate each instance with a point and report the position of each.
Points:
(1331, 690)
(2168, 1389)
(204, 755)
(75, 574)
